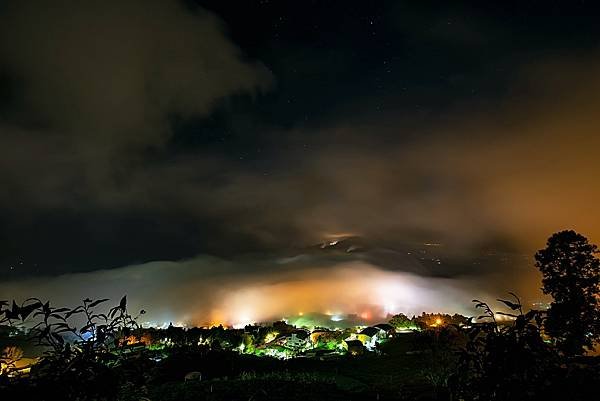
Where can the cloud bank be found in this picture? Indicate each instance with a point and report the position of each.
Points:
(208, 291)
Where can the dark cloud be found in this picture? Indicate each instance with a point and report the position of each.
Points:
(504, 177)
(138, 131)
(113, 72)
(95, 83)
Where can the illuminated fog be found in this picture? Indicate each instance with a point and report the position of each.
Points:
(208, 291)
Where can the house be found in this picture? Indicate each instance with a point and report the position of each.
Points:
(368, 337)
(387, 328)
(294, 341)
(371, 336)
(317, 335)
(354, 347)
(327, 336)
(193, 376)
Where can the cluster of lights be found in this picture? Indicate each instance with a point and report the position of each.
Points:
(271, 336)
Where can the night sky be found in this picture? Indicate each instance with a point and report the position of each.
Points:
(136, 131)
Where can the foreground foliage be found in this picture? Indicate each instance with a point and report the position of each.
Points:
(513, 362)
(82, 349)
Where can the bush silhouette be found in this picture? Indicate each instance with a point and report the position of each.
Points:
(82, 348)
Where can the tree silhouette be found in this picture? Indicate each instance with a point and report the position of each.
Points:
(571, 274)
(401, 321)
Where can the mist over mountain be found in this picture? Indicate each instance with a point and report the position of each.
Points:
(345, 276)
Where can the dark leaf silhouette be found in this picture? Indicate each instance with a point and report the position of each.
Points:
(123, 303)
(100, 315)
(113, 312)
(79, 309)
(27, 310)
(510, 304)
(506, 314)
(97, 302)
(86, 328)
(58, 338)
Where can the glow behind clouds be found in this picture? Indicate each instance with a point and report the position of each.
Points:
(207, 291)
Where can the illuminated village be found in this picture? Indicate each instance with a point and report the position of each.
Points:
(284, 339)
(271, 200)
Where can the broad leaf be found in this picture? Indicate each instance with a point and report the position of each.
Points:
(123, 303)
(510, 304)
(97, 302)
